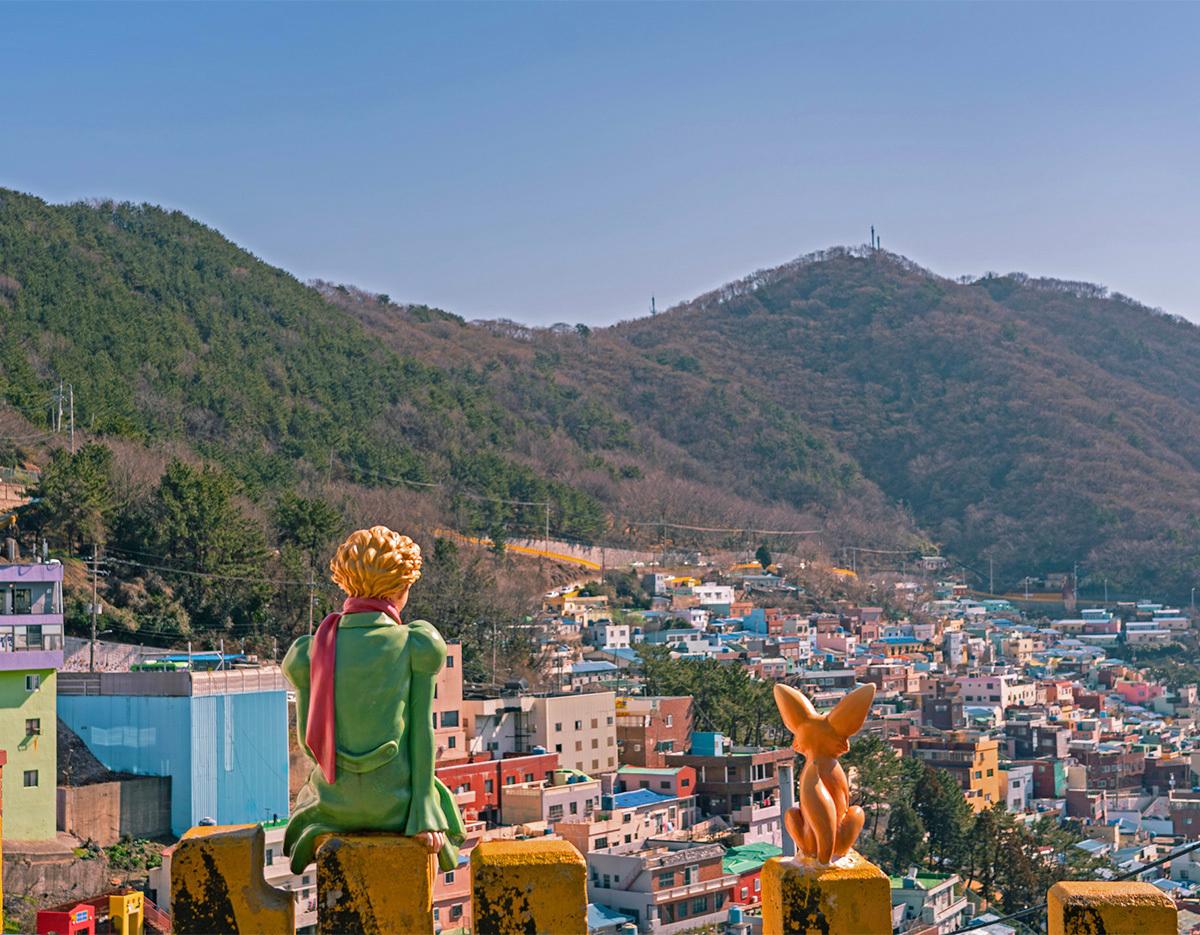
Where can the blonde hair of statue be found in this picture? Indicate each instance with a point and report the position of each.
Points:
(376, 562)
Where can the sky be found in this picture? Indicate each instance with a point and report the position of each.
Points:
(565, 162)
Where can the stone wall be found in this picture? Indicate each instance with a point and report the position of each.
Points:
(105, 812)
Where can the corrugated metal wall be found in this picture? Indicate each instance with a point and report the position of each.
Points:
(226, 754)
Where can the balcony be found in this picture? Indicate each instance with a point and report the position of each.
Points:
(753, 814)
(695, 889)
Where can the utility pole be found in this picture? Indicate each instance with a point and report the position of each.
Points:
(547, 540)
(95, 605)
(71, 387)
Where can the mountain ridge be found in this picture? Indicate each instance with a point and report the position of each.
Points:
(1018, 420)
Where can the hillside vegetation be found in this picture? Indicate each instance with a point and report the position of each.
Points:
(1033, 423)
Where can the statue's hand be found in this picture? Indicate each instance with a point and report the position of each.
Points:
(434, 841)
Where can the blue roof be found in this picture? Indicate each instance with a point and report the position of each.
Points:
(593, 667)
(636, 797)
(599, 916)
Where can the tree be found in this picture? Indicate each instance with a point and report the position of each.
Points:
(308, 523)
(217, 553)
(464, 601)
(73, 500)
(905, 838)
(943, 809)
(763, 557)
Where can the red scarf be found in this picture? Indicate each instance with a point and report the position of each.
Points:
(320, 731)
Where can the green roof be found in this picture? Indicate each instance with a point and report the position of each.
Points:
(925, 880)
(747, 857)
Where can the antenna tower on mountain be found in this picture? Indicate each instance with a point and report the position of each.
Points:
(653, 310)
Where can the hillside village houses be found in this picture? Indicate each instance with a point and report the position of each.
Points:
(1042, 718)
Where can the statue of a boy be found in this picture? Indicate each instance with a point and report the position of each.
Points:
(364, 683)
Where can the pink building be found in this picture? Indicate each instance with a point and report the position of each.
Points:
(1138, 693)
(448, 729)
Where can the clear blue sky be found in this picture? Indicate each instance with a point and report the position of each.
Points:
(563, 162)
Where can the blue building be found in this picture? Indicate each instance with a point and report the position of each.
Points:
(221, 736)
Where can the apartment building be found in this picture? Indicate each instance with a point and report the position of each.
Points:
(740, 784)
(666, 887)
(449, 735)
(31, 653)
(566, 794)
(930, 902)
(972, 760)
(626, 820)
(580, 728)
(479, 783)
(650, 727)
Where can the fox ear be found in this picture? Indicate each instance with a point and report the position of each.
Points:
(793, 706)
(848, 714)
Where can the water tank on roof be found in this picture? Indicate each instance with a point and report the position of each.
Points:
(538, 748)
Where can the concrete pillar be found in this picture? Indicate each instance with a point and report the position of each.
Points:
(528, 888)
(374, 883)
(849, 895)
(217, 885)
(787, 799)
(1079, 908)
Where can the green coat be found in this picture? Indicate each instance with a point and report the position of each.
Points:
(383, 709)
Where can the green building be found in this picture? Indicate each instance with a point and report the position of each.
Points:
(31, 653)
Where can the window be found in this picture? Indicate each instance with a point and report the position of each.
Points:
(456, 911)
(745, 893)
(595, 743)
(757, 885)
(627, 817)
(558, 748)
(699, 905)
(685, 782)
(666, 879)
(595, 723)
(270, 856)
(31, 777)
(607, 881)
(691, 875)
(33, 683)
(609, 720)
(558, 726)
(601, 843)
(306, 881)
(555, 812)
(449, 719)
(489, 785)
(449, 876)
(664, 784)
(681, 909)
(578, 746)
(509, 780)
(670, 720)
(579, 725)
(452, 742)
(610, 740)
(529, 777)
(22, 600)
(574, 808)
(595, 764)
(718, 901)
(449, 661)
(33, 726)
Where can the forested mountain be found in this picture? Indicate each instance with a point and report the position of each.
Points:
(1033, 423)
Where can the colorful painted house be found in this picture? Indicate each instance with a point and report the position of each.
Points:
(31, 653)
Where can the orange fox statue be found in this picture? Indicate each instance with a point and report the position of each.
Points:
(824, 825)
